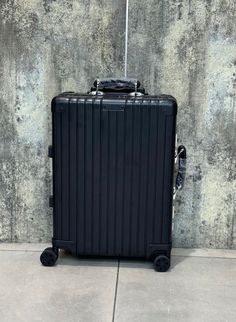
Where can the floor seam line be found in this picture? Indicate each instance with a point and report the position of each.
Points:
(21, 250)
(116, 288)
(214, 257)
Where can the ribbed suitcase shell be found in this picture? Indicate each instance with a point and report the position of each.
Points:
(113, 160)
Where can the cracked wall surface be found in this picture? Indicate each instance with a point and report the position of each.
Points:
(184, 48)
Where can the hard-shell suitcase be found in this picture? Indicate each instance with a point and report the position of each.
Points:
(113, 153)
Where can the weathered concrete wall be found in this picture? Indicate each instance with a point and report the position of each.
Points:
(46, 47)
(186, 48)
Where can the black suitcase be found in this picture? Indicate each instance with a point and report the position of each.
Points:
(113, 153)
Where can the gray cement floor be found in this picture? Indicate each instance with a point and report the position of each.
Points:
(201, 286)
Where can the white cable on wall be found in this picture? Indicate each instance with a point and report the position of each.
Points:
(126, 37)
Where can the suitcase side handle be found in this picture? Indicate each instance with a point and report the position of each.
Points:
(182, 162)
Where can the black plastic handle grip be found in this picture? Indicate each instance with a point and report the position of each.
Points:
(109, 85)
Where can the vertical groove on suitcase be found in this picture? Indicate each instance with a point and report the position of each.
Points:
(159, 159)
(113, 179)
(68, 172)
(155, 176)
(65, 176)
(111, 176)
(131, 181)
(139, 228)
(96, 176)
(115, 188)
(142, 184)
(100, 177)
(128, 179)
(85, 178)
(92, 177)
(93, 184)
(89, 178)
(60, 187)
(81, 177)
(76, 173)
(72, 120)
(167, 188)
(120, 181)
(135, 177)
(154, 151)
(123, 178)
(104, 183)
(108, 182)
(146, 219)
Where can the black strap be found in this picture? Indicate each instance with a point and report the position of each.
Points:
(182, 160)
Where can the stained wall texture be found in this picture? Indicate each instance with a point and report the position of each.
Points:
(46, 47)
(188, 49)
(184, 48)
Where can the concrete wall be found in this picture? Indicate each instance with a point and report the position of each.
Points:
(186, 48)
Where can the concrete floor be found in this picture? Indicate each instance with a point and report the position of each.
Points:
(201, 286)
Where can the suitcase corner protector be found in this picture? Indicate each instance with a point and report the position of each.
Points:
(69, 245)
(158, 248)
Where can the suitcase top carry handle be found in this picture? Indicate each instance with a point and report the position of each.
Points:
(119, 86)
